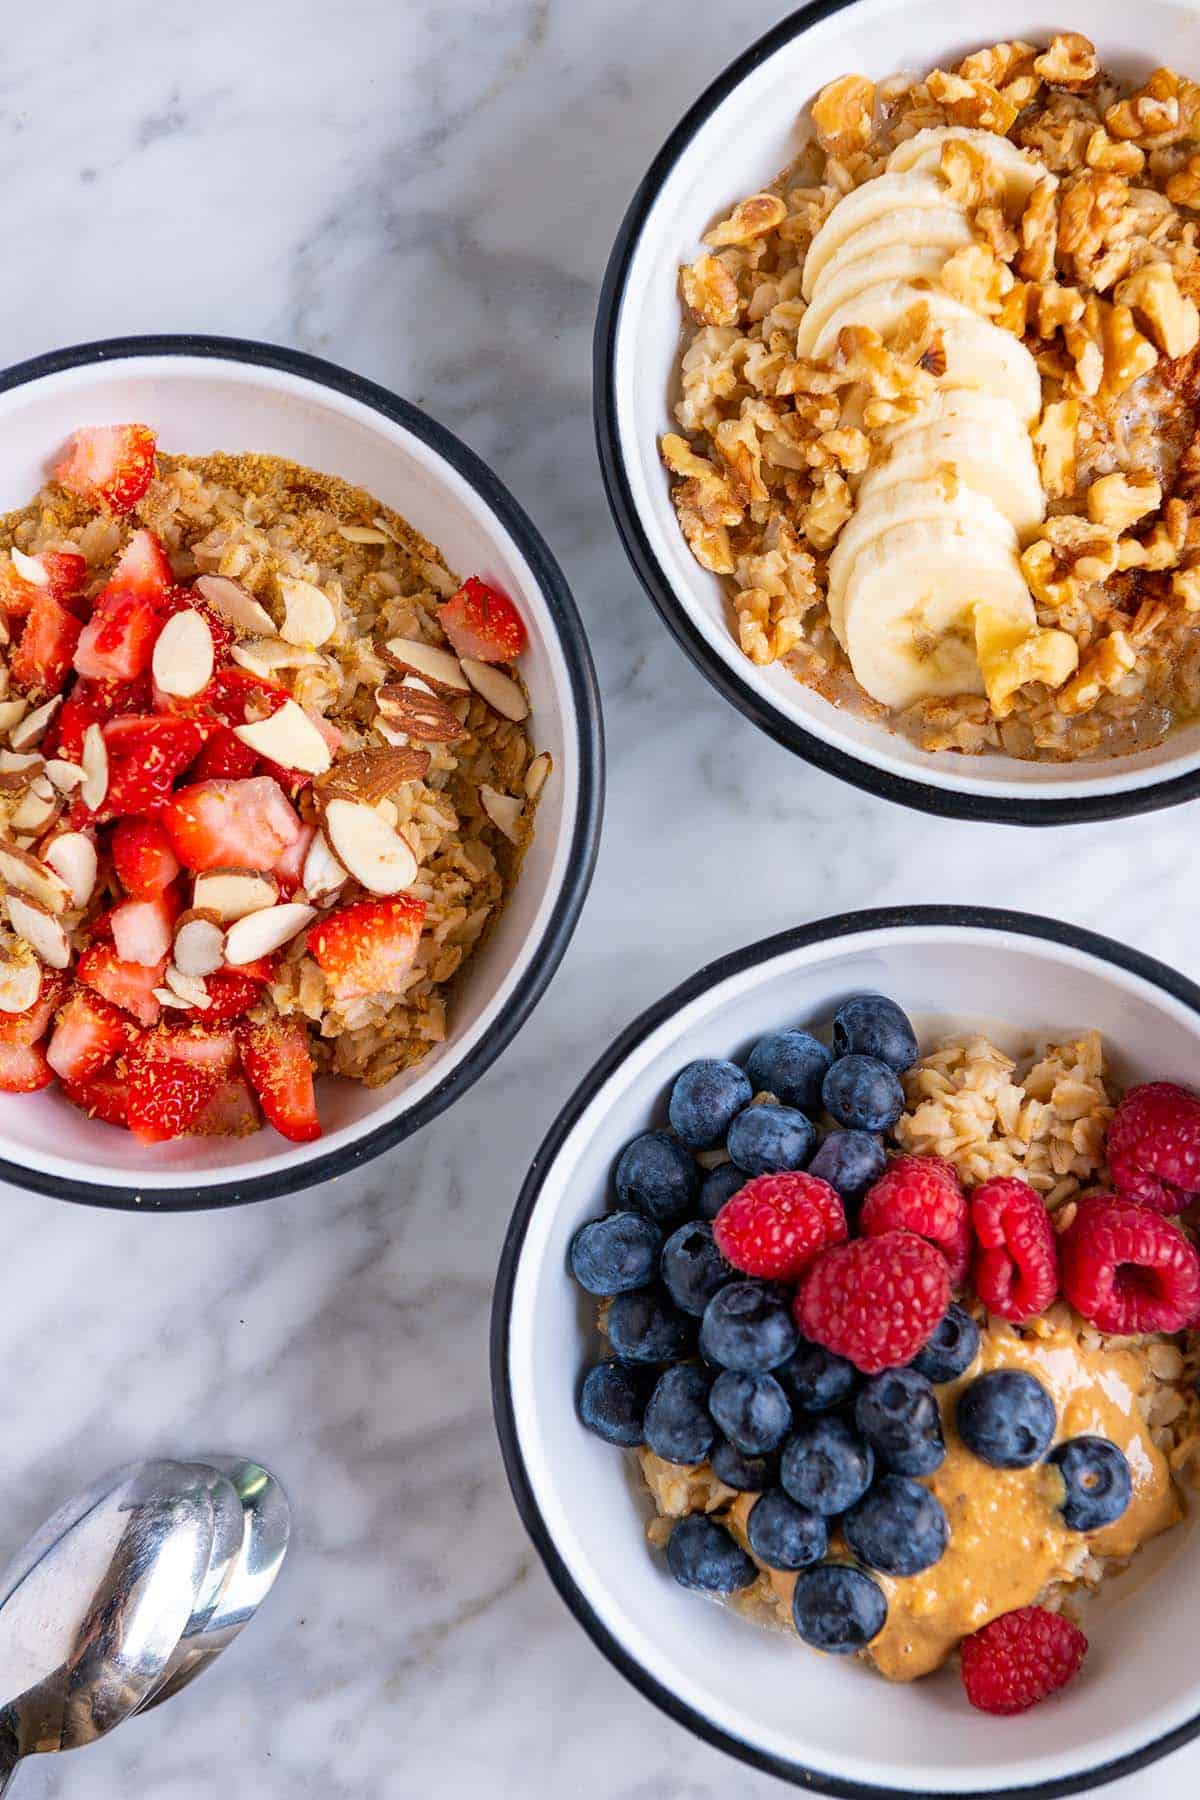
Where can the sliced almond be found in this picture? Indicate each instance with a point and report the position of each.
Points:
(419, 713)
(323, 875)
(374, 854)
(229, 894)
(199, 944)
(44, 789)
(260, 933)
(166, 997)
(188, 987)
(12, 712)
(370, 774)
(536, 773)
(504, 810)
(233, 603)
(94, 758)
(263, 656)
(40, 929)
(30, 568)
(182, 663)
(440, 668)
(25, 874)
(20, 978)
(397, 739)
(65, 776)
(24, 762)
(72, 856)
(388, 812)
(500, 691)
(309, 616)
(363, 534)
(288, 737)
(33, 727)
(35, 812)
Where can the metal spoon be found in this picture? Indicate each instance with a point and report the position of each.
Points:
(93, 1606)
(248, 1580)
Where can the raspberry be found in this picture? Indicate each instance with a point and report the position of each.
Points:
(922, 1194)
(1015, 1272)
(1154, 1147)
(875, 1301)
(776, 1224)
(1021, 1658)
(1128, 1270)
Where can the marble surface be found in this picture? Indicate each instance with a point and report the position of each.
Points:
(426, 195)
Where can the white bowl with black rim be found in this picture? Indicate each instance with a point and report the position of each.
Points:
(210, 394)
(825, 1723)
(736, 139)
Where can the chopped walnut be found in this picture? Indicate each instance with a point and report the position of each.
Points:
(1084, 339)
(750, 219)
(1058, 134)
(1091, 221)
(1071, 552)
(1039, 232)
(710, 291)
(1012, 654)
(992, 228)
(1118, 501)
(1070, 61)
(849, 449)
(975, 103)
(741, 449)
(1183, 187)
(1171, 318)
(1055, 307)
(1163, 111)
(1185, 586)
(1014, 309)
(843, 114)
(862, 356)
(976, 276)
(1127, 354)
(999, 64)
(972, 179)
(1103, 668)
(827, 511)
(1117, 156)
(704, 490)
(1054, 438)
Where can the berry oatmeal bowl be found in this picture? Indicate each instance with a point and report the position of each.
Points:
(300, 771)
(856, 1293)
(896, 383)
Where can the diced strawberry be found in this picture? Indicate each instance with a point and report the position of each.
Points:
(225, 758)
(186, 599)
(232, 1112)
(23, 1069)
(289, 870)
(231, 824)
(102, 1096)
(93, 703)
(146, 756)
(16, 593)
(231, 690)
(216, 1051)
(118, 640)
(231, 993)
(66, 574)
(166, 1097)
(483, 623)
(262, 969)
(88, 1034)
(30, 1026)
(143, 929)
(109, 466)
(63, 574)
(142, 856)
(368, 948)
(42, 660)
(128, 985)
(278, 1066)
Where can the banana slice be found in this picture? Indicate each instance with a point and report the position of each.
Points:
(942, 227)
(911, 606)
(862, 206)
(1021, 171)
(899, 263)
(998, 464)
(949, 406)
(907, 503)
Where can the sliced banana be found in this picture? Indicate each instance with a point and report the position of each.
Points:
(862, 206)
(1021, 171)
(883, 307)
(910, 503)
(899, 263)
(942, 227)
(1000, 466)
(910, 610)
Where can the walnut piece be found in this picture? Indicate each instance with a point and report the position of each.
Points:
(1127, 354)
(750, 219)
(1118, 501)
(710, 291)
(1011, 655)
(974, 102)
(976, 276)
(1070, 553)
(1103, 668)
(1183, 187)
(1171, 318)
(1055, 307)
(1117, 156)
(1069, 61)
(827, 511)
(999, 64)
(1163, 111)
(1039, 231)
(1054, 438)
(1091, 221)
(971, 178)
(843, 115)
(1185, 586)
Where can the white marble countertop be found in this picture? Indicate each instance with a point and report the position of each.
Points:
(427, 195)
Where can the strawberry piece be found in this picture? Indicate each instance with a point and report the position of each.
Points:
(88, 1034)
(102, 1096)
(42, 660)
(143, 858)
(66, 574)
(62, 574)
(30, 1026)
(231, 691)
(109, 466)
(232, 993)
(118, 639)
(146, 755)
(278, 1067)
(93, 703)
(225, 758)
(289, 870)
(23, 1069)
(231, 824)
(143, 929)
(369, 948)
(483, 623)
(167, 1096)
(262, 969)
(215, 1051)
(232, 1112)
(128, 985)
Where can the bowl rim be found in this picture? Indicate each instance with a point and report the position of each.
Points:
(589, 748)
(893, 919)
(735, 687)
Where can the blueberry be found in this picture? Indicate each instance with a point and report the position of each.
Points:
(1097, 1479)
(897, 1413)
(815, 1380)
(873, 1025)
(612, 1402)
(693, 1268)
(705, 1100)
(647, 1327)
(764, 1139)
(678, 1425)
(837, 1608)
(1006, 1418)
(791, 1065)
(952, 1348)
(615, 1254)
(748, 1326)
(748, 1474)
(898, 1528)
(863, 1093)
(752, 1411)
(702, 1555)
(656, 1175)
(850, 1161)
(826, 1466)
(784, 1535)
(717, 1187)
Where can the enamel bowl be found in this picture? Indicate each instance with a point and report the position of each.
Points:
(823, 1722)
(204, 395)
(736, 139)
